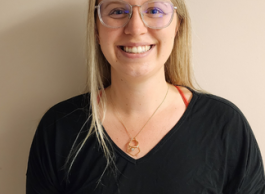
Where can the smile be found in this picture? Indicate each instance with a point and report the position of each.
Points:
(136, 49)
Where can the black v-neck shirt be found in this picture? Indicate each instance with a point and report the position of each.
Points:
(211, 150)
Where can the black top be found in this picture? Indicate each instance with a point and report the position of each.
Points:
(211, 150)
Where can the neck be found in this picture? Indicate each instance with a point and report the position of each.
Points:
(132, 98)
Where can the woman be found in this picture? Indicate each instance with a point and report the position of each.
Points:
(143, 128)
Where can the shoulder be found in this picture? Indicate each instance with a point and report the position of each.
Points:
(223, 132)
(208, 98)
(237, 141)
(220, 116)
(209, 106)
(70, 108)
(216, 104)
(213, 99)
(62, 123)
(54, 138)
(71, 104)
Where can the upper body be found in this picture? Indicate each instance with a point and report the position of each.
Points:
(211, 149)
(138, 51)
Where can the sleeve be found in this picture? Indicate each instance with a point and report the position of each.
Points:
(42, 175)
(245, 171)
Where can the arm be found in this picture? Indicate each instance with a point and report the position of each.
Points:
(41, 173)
(245, 171)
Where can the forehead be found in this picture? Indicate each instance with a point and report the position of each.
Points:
(132, 2)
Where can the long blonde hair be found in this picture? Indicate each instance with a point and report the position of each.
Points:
(178, 71)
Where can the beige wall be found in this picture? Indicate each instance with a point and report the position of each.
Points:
(42, 62)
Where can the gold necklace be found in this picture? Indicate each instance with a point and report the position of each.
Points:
(133, 143)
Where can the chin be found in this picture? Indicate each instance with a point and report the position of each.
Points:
(142, 71)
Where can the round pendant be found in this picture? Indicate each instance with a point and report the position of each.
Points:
(133, 146)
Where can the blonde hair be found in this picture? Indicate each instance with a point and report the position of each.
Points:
(178, 71)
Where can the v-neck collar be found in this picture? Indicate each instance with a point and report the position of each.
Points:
(162, 141)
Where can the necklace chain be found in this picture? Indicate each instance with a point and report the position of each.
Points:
(130, 147)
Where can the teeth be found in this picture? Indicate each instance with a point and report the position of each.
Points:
(136, 49)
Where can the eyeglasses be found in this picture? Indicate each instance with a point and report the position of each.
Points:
(155, 14)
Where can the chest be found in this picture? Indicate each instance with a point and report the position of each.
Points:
(178, 164)
(137, 137)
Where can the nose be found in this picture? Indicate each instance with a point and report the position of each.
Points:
(135, 25)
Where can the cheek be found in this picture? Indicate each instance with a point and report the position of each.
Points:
(166, 43)
(106, 42)
(167, 39)
(107, 39)
(107, 51)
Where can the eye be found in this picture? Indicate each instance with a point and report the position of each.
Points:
(118, 13)
(154, 12)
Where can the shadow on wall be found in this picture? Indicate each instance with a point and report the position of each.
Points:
(42, 61)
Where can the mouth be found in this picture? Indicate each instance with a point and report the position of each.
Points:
(136, 49)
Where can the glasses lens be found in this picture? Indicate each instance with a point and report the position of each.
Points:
(157, 14)
(115, 13)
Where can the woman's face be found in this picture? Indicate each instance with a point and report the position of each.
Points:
(115, 42)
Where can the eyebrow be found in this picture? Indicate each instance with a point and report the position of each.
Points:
(112, 3)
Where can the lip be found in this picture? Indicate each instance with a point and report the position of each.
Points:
(136, 55)
(136, 44)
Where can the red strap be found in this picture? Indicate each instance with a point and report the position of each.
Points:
(183, 97)
(99, 96)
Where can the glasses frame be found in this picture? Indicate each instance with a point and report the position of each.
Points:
(131, 12)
